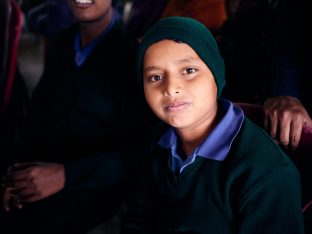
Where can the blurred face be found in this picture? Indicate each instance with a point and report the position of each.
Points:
(178, 85)
(90, 10)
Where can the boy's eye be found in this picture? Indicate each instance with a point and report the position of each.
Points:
(155, 78)
(190, 70)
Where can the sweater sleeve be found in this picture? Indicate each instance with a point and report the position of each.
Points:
(102, 170)
(141, 211)
(273, 204)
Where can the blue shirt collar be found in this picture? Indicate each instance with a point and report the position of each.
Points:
(217, 144)
(81, 55)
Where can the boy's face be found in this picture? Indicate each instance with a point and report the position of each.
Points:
(178, 85)
(90, 10)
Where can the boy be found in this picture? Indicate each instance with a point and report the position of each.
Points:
(74, 158)
(213, 170)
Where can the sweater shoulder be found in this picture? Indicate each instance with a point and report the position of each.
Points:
(254, 143)
(255, 153)
(256, 162)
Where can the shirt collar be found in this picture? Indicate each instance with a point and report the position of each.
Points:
(216, 145)
(81, 55)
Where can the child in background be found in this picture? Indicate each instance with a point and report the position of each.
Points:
(211, 170)
(71, 168)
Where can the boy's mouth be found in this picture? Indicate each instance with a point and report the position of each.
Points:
(82, 2)
(176, 106)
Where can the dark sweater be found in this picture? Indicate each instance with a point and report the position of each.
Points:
(256, 189)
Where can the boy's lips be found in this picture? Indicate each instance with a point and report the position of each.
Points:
(175, 106)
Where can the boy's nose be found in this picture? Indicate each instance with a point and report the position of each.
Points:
(172, 86)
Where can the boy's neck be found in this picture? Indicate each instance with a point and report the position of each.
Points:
(192, 138)
(91, 30)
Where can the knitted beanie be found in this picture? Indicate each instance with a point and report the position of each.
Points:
(191, 32)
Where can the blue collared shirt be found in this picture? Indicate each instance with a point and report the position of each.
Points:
(81, 55)
(216, 145)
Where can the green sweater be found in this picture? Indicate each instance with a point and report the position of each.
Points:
(256, 189)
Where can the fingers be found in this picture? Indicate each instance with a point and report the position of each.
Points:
(6, 200)
(284, 131)
(19, 187)
(23, 193)
(270, 117)
(30, 182)
(19, 173)
(274, 124)
(15, 186)
(15, 201)
(9, 200)
(271, 122)
(21, 166)
(15, 198)
(13, 182)
(295, 132)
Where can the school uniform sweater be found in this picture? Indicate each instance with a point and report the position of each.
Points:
(255, 189)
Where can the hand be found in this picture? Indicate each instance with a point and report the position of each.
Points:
(284, 119)
(30, 182)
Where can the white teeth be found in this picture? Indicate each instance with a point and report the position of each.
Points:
(83, 1)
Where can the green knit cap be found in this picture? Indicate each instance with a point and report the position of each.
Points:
(191, 32)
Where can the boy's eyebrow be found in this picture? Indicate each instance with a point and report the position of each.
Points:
(151, 68)
(186, 60)
(180, 61)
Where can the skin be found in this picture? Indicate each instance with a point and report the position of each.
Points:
(181, 90)
(31, 182)
(93, 18)
(285, 117)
